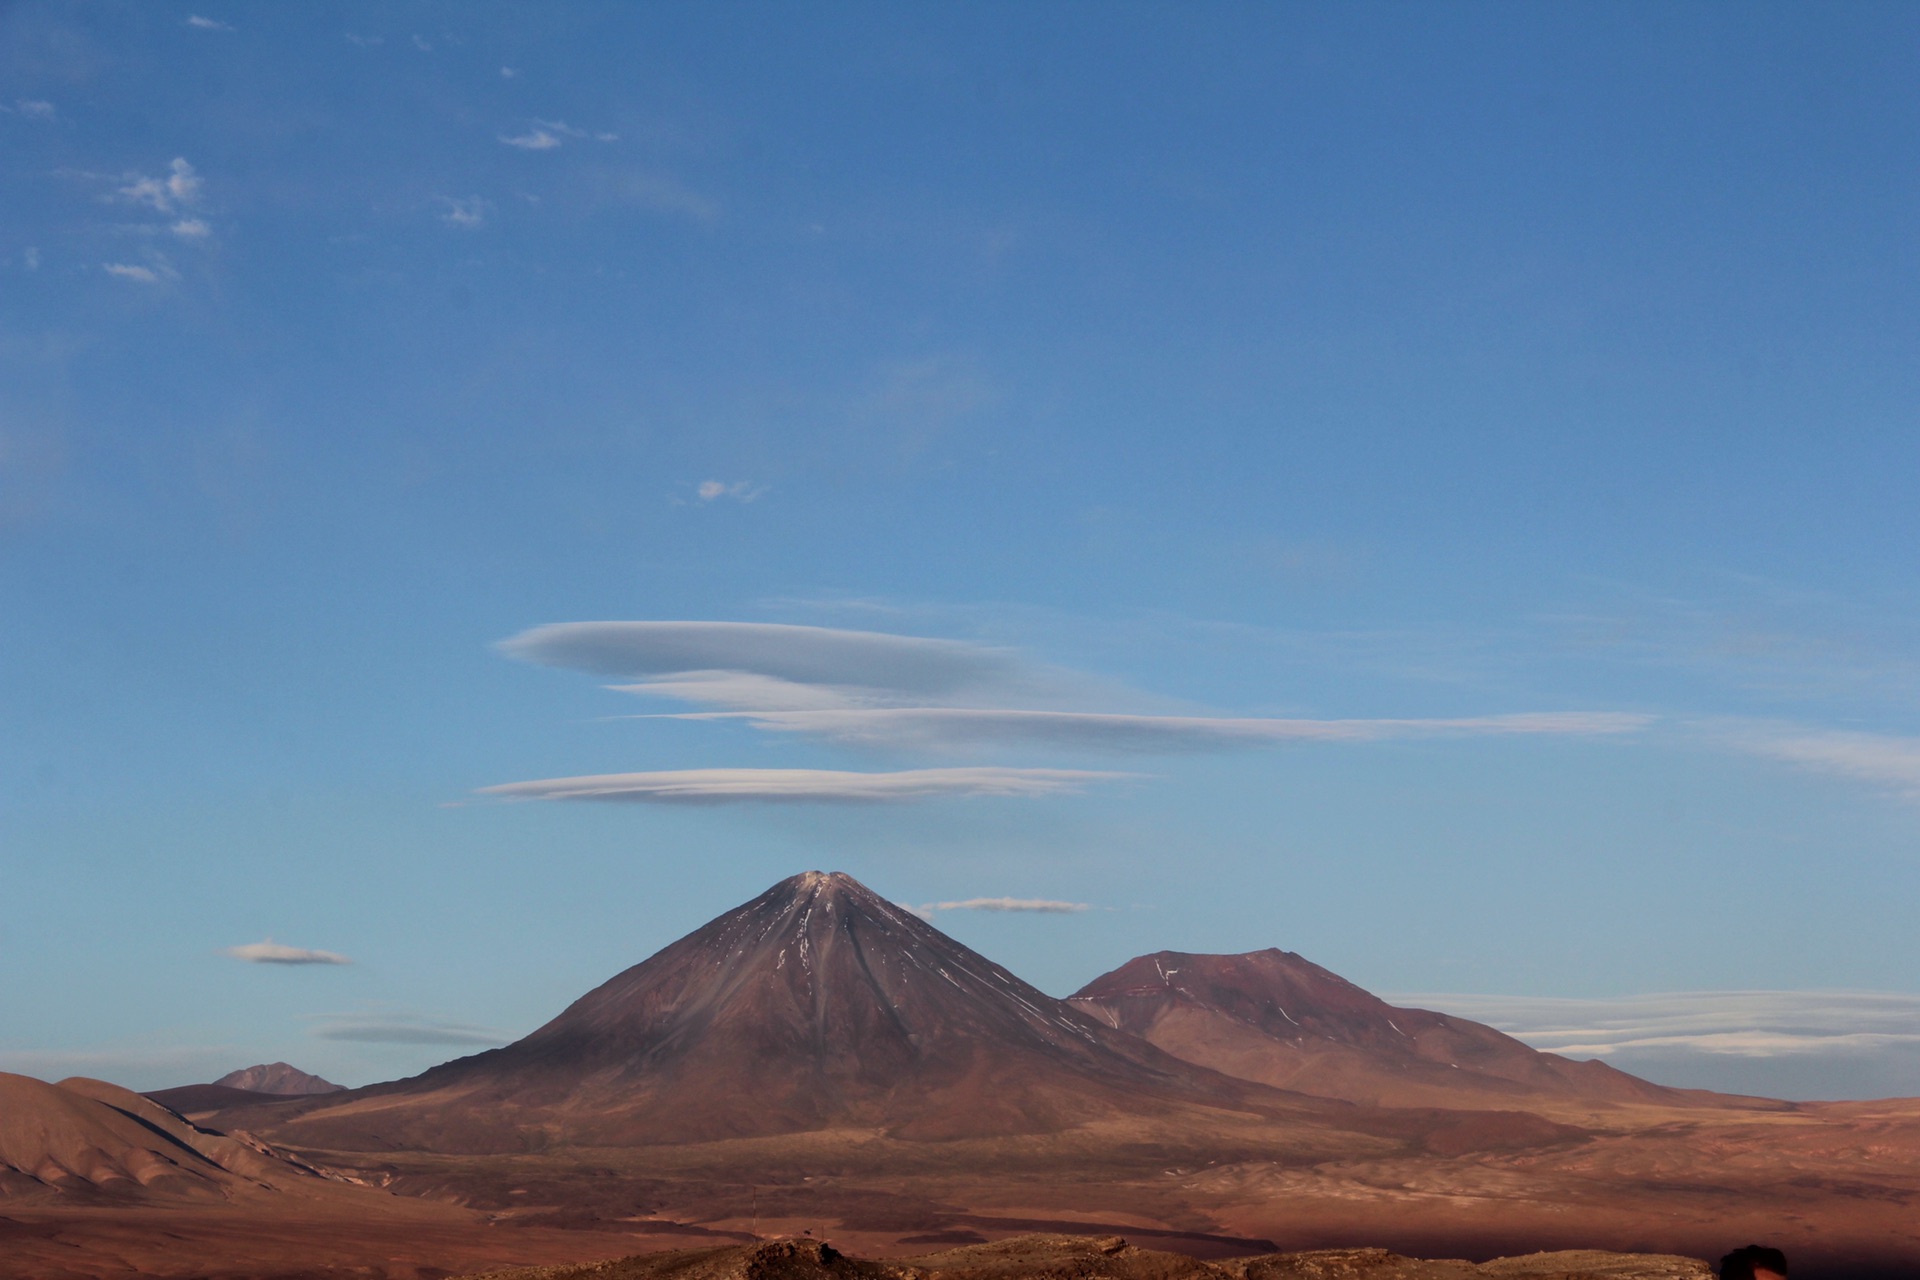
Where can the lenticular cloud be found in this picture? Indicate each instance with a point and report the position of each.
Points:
(800, 786)
(870, 660)
(873, 689)
(268, 951)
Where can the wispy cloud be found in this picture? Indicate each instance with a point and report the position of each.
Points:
(549, 135)
(33, 108)
(403, 1028)
(178, 189)
(534, 139)
(738, 490)
(1748, 1024)
(191, 229)
(877, 689)
(135, 272)
(944, 727)
(1883, 760)
(802, 786)
(1042, 906)
(209, 24)
(468, 213)
(268, 951)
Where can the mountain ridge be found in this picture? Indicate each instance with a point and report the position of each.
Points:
(1236, 1014)
(817, 1004)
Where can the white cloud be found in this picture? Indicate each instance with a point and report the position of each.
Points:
(208, 24)
(800, 786)
(34, 109)
(535, 139)
(1749, 1024)
(868, 665)
(509, 73)
(423, 44)
(744, 690)
(1885, 760)
(270, 952)
(30, 258)
(739, 490)
(365, 42)
(944, 727)
(876, 689)
(468, 214)
(179, 189)
(191, 229)
(403, 1028)
(129, 271)
(1044, 906)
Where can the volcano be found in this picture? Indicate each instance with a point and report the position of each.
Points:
(817, 1005)
(1278, 1018)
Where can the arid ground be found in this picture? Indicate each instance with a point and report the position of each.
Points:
(820, 1064)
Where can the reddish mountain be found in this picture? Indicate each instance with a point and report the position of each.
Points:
(277, 1078)
(817, 1005)
(1277, 1018)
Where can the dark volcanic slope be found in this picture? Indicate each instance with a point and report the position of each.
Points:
(817, 1005)
(1274, 1017)
(202, 1099)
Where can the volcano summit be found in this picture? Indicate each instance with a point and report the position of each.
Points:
(817, 1005)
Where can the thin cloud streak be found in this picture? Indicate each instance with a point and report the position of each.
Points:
(858, 660)
(403, 1029)
(270, 952)
(802, 786)
(1747, 1024)
(1042, 906)
(532, 140)
(130, 271)
(954, 726)
(879, 688)
(1885, 760)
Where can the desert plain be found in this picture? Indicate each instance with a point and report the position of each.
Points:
(820, 1065)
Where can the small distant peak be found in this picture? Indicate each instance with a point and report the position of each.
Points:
(277, 1077)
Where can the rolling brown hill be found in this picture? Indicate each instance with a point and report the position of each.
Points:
(817, 1005)
(1278, 1018)
(83, 1140)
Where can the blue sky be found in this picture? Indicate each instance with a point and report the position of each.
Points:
(1465, 454)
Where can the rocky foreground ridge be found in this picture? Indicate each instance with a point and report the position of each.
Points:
(1061, 1257)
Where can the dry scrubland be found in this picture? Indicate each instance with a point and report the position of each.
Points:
(819, 1061)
